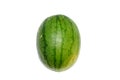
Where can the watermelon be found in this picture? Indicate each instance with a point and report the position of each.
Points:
(58, 42)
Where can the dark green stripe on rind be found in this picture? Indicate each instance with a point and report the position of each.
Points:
(59, 44)
(62, 43)
(45, 45)
(55, 43)
(55, 47)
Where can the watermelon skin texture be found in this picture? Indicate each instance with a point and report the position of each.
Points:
(58, 42)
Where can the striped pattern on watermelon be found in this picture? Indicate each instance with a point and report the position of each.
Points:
(58, 42)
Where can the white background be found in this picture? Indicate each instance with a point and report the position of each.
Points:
(99, 25)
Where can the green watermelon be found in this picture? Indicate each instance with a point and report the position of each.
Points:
(58, 42)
